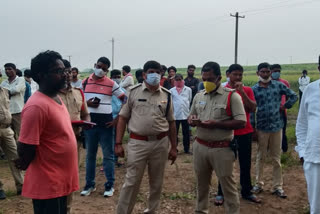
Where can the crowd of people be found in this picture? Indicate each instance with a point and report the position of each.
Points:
(48, 115)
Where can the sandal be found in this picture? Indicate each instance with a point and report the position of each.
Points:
(218, 201)
(252, 198)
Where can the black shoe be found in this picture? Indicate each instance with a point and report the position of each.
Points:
(19, 192)
(280, 193)
(2, 195)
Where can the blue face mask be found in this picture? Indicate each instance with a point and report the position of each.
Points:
(275, 75)
(153, 79)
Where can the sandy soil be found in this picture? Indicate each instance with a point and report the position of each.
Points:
(178, 195)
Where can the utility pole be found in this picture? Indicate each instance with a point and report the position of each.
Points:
(236, 42)
(112, 40)
(69, 58)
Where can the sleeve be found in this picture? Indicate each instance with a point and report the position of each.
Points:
(33, 122)
(190, 95)
(193, 106)
(299, 81)
(128, 81)
(238, 112)
(284, 90)
(116, 90)
(127, 107)
(250, 94)
(170, 116)
(302, 127)
(17, 88)
(84, 107)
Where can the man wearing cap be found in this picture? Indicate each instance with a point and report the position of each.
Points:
(215, 112)
(150, 119)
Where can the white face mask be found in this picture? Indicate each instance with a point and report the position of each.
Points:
(264, 80)
(153, 79)
(99, 72)
(118, 80)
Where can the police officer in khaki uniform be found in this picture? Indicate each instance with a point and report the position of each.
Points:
(150, 119)
(73, 98)
(7, 141)
(215, 111)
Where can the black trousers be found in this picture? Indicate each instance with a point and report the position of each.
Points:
(244, 155)
(284, 144)
(50, 206)
(185, 134)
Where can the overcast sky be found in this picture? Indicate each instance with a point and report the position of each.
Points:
(173, 32)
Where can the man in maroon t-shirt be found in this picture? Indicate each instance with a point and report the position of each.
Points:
(243, 137)
(275, 75)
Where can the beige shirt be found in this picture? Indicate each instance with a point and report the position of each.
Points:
(146, 110)
(5, 115)
(213, 106)
(75, 104)
(16, 88)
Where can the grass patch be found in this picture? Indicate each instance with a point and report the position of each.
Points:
(179, 196)
(10, 193)
(99, 161)
(288, 160)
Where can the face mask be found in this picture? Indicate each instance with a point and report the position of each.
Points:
(99, 72)
(264, 80)
(153, 79)
(209, 86)
(228, 79)
(275, 75)
(179, 84)
(118, 80)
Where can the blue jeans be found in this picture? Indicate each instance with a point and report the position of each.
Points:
(104, 136)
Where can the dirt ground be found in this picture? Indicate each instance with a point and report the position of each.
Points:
(178, 195)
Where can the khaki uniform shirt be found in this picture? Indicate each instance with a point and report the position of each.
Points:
(5, 115)
(213, 106)
(75, 104)
(146, 110)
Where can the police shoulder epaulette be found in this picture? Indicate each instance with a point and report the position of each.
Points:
(228, 89)
(135, 86)
(166, 90)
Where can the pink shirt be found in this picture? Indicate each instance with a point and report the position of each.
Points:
(283, 98)
(54, 171)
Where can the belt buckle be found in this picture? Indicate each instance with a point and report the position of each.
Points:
(152, 138)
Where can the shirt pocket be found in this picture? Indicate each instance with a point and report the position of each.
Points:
(218, 112)
(201, 110)
(160, 109)
(142, 108)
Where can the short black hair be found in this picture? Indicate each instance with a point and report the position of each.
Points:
(27, 73)
(126, 68)
(164, 68)
(178, 75)
(115, 72)
(215, 67)
(139, 75)
(263, 65)
(191, 66)
(235, 67)
(305, 71)
(172, 68)
(75, 69)
(319, 60)
(151, 65)
(10, 65)
(274, 66)
(66, 63)
(18, 72)
(43, 62)
(104, 60)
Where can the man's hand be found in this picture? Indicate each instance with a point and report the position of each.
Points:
(208, 124)
(193, 120)
(254, 135)
(93, 104)
(113, 123)
(118, 149)
(172, 155)
(238, 86)
(302, 160)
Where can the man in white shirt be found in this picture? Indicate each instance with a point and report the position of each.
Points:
(181, 99)
(308, 141)
(75, 82)
(16, 86)
(303, 81)
(127, 78)
(27, 77)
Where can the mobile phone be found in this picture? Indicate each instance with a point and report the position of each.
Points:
(96, 100)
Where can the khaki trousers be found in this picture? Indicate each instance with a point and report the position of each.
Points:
(70, 196)
(153, 154)
(9, 147)
(269, 143)
(220, 160)
(16, 125)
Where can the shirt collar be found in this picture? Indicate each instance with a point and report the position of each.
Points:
(218, 91)
(97, 80)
